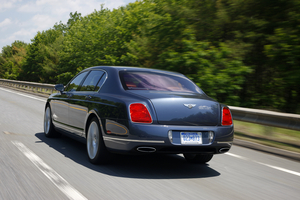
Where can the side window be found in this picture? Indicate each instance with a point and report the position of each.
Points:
(75, 83)
(91, 80)
(103, 78)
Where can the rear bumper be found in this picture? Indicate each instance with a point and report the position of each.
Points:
(153, 138)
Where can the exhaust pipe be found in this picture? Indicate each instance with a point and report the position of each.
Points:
(224, 150)
(146, 149)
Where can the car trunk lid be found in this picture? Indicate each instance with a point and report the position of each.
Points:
(183, 108)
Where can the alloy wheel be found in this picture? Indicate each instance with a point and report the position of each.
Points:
(47, 120)
(93, 140)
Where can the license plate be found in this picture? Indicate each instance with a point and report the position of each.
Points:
(191, 137)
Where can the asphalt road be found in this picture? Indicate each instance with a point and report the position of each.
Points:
(35, 167)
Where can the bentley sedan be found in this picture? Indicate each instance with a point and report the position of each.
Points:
(139, 111)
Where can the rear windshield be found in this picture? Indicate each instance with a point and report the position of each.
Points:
(157, 82)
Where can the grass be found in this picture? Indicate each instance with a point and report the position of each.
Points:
(270, 136)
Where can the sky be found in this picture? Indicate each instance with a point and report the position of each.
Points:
(22, 19)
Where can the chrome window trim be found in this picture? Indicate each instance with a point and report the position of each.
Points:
(96, 91)
(88, 71)
(106, 74)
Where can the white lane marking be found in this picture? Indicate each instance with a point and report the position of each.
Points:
(271, 166)
(23, 95)
(281, 169)
(54, 177)
(237, 156)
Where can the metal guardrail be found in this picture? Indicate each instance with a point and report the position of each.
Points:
(263, 117)
(268, 118)
(34, 87)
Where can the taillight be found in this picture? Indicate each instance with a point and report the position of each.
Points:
(226, 117)
(139, 113)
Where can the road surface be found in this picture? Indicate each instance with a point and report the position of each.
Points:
(35, 167)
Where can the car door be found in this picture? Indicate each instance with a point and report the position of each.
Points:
(61, 103)
(81, 99)
(59, 106)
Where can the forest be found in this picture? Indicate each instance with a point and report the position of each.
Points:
(240, 52)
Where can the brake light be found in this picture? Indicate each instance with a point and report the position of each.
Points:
(226, 117)
(139, 113)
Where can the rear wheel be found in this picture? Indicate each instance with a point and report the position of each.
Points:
(49, 129)
(198, 158)
(96, 149)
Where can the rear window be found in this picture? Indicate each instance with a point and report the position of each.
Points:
(157, 82)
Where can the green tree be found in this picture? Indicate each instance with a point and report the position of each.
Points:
(42, 58)
(241, 52)
(12, 59)
(97, 39)
(170, 39)
(283, 55)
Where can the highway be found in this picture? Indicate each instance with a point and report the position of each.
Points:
(35, 167)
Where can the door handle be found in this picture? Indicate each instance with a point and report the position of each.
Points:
(88, 97)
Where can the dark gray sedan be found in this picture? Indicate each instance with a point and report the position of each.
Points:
(139, 111)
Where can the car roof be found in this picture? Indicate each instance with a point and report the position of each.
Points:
(125, 68)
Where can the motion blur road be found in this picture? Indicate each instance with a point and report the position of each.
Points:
(35, 167)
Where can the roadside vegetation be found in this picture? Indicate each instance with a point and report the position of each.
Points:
(241, 52)
(266, 135)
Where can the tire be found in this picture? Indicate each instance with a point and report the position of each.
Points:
(198, 158)
(96, 149)
(49, 129)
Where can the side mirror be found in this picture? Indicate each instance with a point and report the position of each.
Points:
(59, 87)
